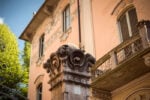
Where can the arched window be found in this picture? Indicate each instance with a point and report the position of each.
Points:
(127, 23)
(39, 92)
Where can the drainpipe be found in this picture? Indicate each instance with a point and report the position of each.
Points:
(79, 24)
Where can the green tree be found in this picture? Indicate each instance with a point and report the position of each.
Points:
(26, 55)
(11, 72)
(26, 64)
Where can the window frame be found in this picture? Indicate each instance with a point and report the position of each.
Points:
(41, 45)
(66, 16)
(39, 90)
(127, 18)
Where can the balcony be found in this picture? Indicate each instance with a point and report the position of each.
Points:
(124, 63)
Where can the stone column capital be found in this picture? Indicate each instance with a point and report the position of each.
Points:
(69, 67)
(72, 58)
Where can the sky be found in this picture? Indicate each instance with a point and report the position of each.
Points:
(17, 14)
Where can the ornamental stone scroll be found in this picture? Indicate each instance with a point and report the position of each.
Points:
(73, 58)
(69, 73)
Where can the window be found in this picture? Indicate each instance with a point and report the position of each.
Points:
(41, 46)
(66, 18)
(39, 92)
(127, 23)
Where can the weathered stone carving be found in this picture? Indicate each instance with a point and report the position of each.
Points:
(143, 22)
(144, 29)
(64, 51)
(74, 58)
(122, 4)
(147, 59)
(141, 94)
(101, 95)
(69, 65)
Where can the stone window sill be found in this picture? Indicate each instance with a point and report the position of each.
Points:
(40, 60)
(65, 35)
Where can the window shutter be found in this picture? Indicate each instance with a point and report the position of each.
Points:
(124, 27)
(133, 21)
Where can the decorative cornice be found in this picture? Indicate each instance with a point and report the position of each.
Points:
(39, 79)
(45, 11)
(104, 95)
(120, 6)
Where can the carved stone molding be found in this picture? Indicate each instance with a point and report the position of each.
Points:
(77, 78)
(143, 22)
(122, 4)
(52, 65)
(101, 95)
(40, 60)
(55, 81)
(147, 59)
(141, 94)
(75, 58)
(65, 35)
(39, 79)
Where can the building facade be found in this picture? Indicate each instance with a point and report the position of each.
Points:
(115, 32)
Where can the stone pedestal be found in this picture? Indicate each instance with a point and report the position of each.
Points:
(69, 71)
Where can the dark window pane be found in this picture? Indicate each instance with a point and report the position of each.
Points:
(64, 22)
(41, 45)
(133, 21)
(39, 92)
(124, 27)
(66, 18)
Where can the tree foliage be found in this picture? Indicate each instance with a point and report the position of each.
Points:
(26, 63)
(11, 72)
(26, 55)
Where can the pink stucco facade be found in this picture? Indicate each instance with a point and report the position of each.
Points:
(103, 33)
(105, 15)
